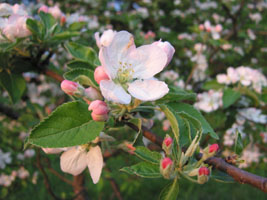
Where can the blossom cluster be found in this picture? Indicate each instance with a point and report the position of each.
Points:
(246, 76)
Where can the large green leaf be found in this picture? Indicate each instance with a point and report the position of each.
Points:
(35, 27)
(177, 94)
(49, 22)
(64, 35)
(170, 191)
(143, 169)
(212, 85)
(14, 84)
(82, 52)
(183, 107)
(74, 64)
(147, 155)
(81, 75)
(230, 96)
(69, 125)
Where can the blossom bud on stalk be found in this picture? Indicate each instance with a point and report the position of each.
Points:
(167, 48)
(100, 74)
(99, 110)
(167, 144)
(210, 151)
(203, 175)
(69, 87)
(92, 94)
(166, 167)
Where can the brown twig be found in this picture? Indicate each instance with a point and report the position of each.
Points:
(46, 179)
(53, 75)
(114, 185)
(78, 188)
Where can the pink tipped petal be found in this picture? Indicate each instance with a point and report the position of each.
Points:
(73, 161)
(95, 163)
(97, 38)
(53, 150)
(114, 92)
(148, 90)
(147, 61)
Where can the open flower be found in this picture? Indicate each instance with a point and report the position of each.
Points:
(131, 70)
(76, 159)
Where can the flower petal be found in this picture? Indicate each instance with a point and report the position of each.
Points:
(95, 163)
(73, 161)
(147, 61)
(148, 90)
(111, 55)
(114, 92)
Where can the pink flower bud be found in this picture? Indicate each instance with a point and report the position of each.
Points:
(100, 74)
(168, 141)
(218, 28)
(69, 87)
(167, 48)
(43, 8)
(55, 12)
(203, 171)
(92, 94)
(99, 118)
(201, 27)
(166, 162)
(62, 20)
(213, 148)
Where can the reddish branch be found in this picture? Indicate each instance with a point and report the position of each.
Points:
(237, 174)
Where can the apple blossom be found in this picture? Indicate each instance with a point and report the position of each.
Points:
(132, 69)
(76, 159)
(5, 9)
(16, 27)
(100, 74)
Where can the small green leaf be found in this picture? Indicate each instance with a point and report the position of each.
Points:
(81, 75)
(65, 35)
(14, 84)
(48, 21)
(80, 64)
(76, 26)
(147, 155)
(212, 85)
(191, 119)
(170, 114)
(143, 169)
(183, 107)
(170, 191)
(34, 27)
(176, 94)
(82, 52)
(230, 96)
(69, 125)
(238, 143)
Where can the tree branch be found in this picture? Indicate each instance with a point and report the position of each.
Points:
(237, 174)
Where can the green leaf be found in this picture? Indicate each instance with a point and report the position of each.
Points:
(80, 64)
(34, 27)
(170, 191)
(76, 26)
(191, 119)
(230, 96)
(147, 155)
(222, 177)
(177, 94)
(170, 114)
(69, 125)
(65, 35)
(238, 143)
(49, 22)
(83, 76)
(143, 169)
(212, 85)
(82, 52)
(14, 84)
(183, 107)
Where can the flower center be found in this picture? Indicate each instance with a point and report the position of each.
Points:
(124, 73)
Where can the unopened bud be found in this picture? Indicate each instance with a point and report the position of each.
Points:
(62, 20)
(167, 48)
(100, 74)
(92, 94)
(213, 148)
(166, 167)
(43, 8)
(69, 87)
(99, 110)
(218, 28)
(167, 144)
(203, 175)
(201, 27)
